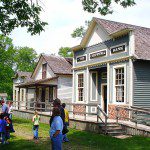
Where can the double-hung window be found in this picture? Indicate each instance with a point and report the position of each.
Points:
(80, 87)
(119, 84)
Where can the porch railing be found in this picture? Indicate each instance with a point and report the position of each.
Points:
(138, 115)
(99, 116)
(47, 107)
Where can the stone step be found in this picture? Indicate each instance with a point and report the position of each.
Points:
(115, 133)
(109, 125)
(110, 128)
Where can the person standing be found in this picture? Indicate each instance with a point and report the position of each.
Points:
(57, 103)
(10, 109)
(3, 125)
(66, 123)
(36, 121)
(56, 129)
(4, 108)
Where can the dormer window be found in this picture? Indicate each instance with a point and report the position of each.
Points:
(44, 69)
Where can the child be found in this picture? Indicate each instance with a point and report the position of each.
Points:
(7, 135)
(65, 139)
(3, 125)
(35, 120)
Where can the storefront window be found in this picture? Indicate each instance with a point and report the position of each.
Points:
(119, 84)
(80, 87)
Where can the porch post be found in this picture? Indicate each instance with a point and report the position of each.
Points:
(87, 93)
(108, 87)
(19, 98)
(35, 102)
(26, 98)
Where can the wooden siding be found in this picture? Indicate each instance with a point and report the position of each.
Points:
(64, 90)
(141, 95)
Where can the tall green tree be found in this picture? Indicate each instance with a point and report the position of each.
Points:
(7, 53)
(104, 7)
(25, 59)
(21, 13)
(79, 32)
(65, 52)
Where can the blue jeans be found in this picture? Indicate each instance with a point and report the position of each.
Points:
(65, 139)
(57, 142)
(35, 131)
(2, 136)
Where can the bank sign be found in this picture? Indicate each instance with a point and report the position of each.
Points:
(81, 58)
(118, 49)
(98, 54)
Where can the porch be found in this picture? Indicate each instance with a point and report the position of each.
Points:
(37, 94)
(92, 122)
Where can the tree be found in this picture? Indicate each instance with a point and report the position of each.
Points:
(104, 7)
(25, 59)
(65, 52)
(80, 31)
(7, 53)
(20, 13)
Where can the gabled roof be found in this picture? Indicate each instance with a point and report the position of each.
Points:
(59, 65)
(142, 35)
(26, 75)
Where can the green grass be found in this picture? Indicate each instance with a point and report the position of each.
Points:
(79, 140)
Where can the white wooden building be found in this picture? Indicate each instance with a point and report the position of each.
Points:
(51, 78)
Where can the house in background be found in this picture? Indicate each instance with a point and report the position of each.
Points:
(20, 94)
(51, 78)
(3, 96)
(111, 67)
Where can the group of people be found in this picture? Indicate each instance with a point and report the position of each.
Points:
(6, 125)
(58, 125)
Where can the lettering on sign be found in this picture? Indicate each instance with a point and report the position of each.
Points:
(118, 49)
(98, 54)
(81, 58)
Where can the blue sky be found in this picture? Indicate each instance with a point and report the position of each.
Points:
(63, 16)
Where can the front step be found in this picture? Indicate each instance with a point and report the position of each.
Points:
(113, 129)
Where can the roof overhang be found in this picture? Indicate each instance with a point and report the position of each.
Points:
(86, 36)
(121, 32)
(37, 83)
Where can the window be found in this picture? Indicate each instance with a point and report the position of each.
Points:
(94, 79)
(104, 75)
(44, 68)
(22, 94)
(50, 94)
(119, 84)
(80, 87)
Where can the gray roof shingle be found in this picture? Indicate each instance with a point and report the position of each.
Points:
(59, 65)
(142, 36)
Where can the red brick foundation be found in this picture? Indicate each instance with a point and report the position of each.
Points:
(79, 108)
(112, 111)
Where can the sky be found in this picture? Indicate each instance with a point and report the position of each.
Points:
(63, 16)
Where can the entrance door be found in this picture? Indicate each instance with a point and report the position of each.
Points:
(104, 98)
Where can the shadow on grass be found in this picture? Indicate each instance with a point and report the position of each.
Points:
(80, 140)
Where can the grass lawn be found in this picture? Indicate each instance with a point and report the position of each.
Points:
(79, 140)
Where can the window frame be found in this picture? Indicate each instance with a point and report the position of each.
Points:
(44, 71)
(114, 83)
(77, 91)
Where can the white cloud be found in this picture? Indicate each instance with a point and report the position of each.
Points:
(64, 16)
